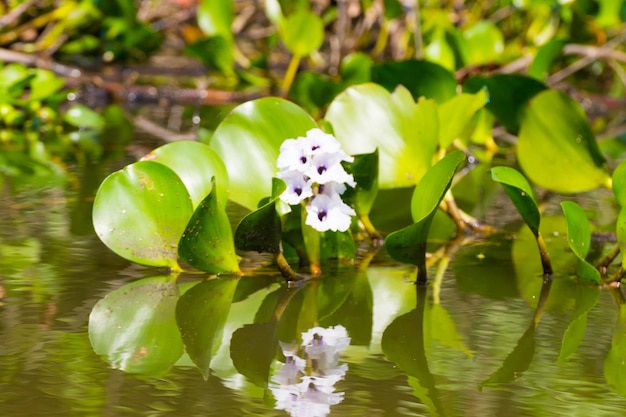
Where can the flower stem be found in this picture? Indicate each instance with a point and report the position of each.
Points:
(290, 75)
(545, 257)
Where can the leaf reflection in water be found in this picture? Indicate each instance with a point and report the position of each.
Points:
(305, 384)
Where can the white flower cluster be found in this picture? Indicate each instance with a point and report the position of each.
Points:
(311, 168)
(305, 387)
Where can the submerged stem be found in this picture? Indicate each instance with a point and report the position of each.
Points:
(286, 270)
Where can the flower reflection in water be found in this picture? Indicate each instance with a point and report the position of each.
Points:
(304, 385)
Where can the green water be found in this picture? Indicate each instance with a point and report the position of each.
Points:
(408, 355)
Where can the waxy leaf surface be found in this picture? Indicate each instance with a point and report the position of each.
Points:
(556, 148)
(367, 117)
(248, 141)
(195, 163)
(520, 193)
(207, 243)
(140, 213)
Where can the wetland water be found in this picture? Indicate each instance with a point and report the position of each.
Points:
(477, 352)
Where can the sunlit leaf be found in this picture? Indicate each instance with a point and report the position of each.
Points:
(134, 327)
(201, 313)
(366, 117)
(83, 117)
(456, 113)
(409, 244)
(421, 78)
(141, 212)
(579, 239)
(302, 32)
(508, 95)
(556, 147)
(520, 193)
(356, 68)
(195, 164)
(248, 141)
(484, 43)
(207, 243)
(215, 18)
(44, 85)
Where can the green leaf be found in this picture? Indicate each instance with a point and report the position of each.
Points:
(356, 68)
(248, 141)
(216, 52)
(260, 230)
(508, 96)
(579, 239)
(620, 230)
(545, 57)
(619, 183)
(302, 32)
(456, 113)
(201, 314)
(484, 44)
(366, 117)
(195, 164)
(134, 327)
(83, 117)
(556, 147)
(140, 213)
(520, 193)
(409, 244)
(215, 18)
(421, 78)
(207, 243)
(364, 169)
(44, 85)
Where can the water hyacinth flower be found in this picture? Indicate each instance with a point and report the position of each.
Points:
(311, 168)
(306, 386)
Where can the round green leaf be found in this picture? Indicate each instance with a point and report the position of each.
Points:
(248, 141)
(367, 117)
(195, 163)
(556, 147)
(520, 193)
(201, 314)
(484, 43)
(83, 117)
(140, 213)
(456, 113)
(44, 84)
(134, 327)
(302, 32)
(207, 243)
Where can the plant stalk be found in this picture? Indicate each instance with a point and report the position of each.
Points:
(290, 75)
(545, 257)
